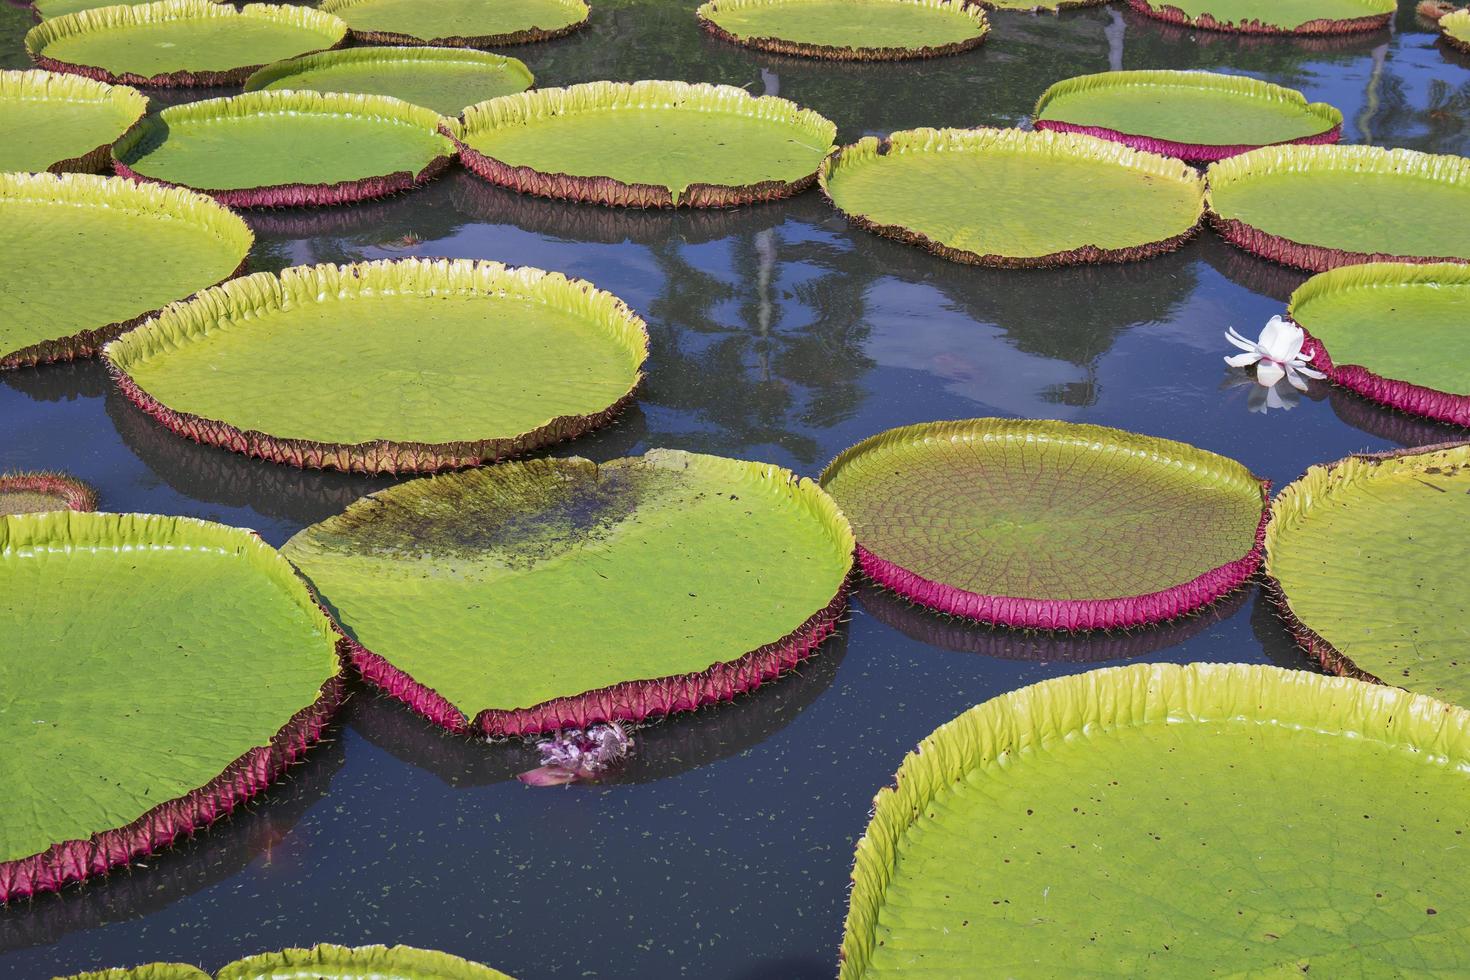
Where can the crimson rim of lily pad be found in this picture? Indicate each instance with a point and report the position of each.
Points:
(1191, 152)
(76, 860)
(528, 36)
(620, 194)
(1430, 403)
(1071, 615)
(1323, 25)
(836, 52)
(77, 495)
(629, 701)
(183, 78)
(306, 195)
(1313, 258)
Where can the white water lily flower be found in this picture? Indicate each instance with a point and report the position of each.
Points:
(1278, 354)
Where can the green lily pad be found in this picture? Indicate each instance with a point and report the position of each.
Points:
(179, 42)
(46, 9)
(138, 247)
(289, 148)
(148, 971)
(395, 366)
(1318, 207)
(647, 144)
(1051, 6)
(1159, 820)
(459, 23)
(59, 122)
(39, 491)
(1397, 333)
(848, 30)
(1016, 199)
(1273, 16)
(1368, 556)
(1454, 27)
(445, 80)
(325, 962)
(123, 726)
(1048, 525)
(565, 592)
(1194, 115)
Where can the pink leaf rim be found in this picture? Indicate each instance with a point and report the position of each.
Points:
(77, 860)
(629, 701)
(74, 493)
(835, 52)
(1192, 152)
(183, 78)
(1348, 25)
(1313, 258)
(306, 195)
(1429, 403)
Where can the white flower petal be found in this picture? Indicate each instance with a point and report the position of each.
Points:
(1281, 340)
(1240, 341)
(1268, 373)
(1243, 360)
(1309, 372)
(1295, 379)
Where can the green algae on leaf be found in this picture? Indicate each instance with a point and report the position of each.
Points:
(290, 148)
(1193, 115)
(179, 42)
(122, 726)
(445, 80)
(35, 492)
(556, 593)
(1397, 333)
(1048, 525)
(646, 144)
(459, 23)
(848, 30)
(1319, 207)
(1004, 197)
(1273, 16)
(399, 366)
(1172, 820)
(139, 247)
(1367, 561)
(56, 122)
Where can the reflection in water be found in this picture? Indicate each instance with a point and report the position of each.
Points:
(1251, 271)
(213, 855)
(1383, 422)
(666, 748)
(963, 636)
(1275, 641)
(59, 382)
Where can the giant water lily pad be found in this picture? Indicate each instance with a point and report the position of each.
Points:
(459, 23)
(1273, 16)
(1051, 6)
(179, 42)
(647, 144)
(1049, 525)
(848, 30)
(1016, 199)
(137, 248)
(55, 122)
(1158, 820)
(325, 962)
(56, 8)
(1454, 27)
(35, 492)
(123, 725)
(1367, 557)
(1193, 115)
(534, 596)
(290, 148)
(397, 366)
(442, 79)
(1318, 207)
(1393, 332)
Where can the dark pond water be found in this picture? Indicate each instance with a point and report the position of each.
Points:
(723, 849)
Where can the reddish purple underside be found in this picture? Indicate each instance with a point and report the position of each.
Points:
(1442, 406)
(1173, 15)
(1192, 152)
(307, 195)
(1073, 614)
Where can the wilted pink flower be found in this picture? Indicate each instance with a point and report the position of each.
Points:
(579, 754)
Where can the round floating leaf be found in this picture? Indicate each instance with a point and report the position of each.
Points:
(394, 366)
(1367, 558)
(848, 30)
(647, 144)
(1393, 332)
(62, 122)
(564, 592)
(436, 78)
(148, 971)
(35, 492)
(1051, 6)
(1273, 16)
(459, 23)
(1049, 525)
(1193, 115)
(137, 247)
(46, 9)
(1318, 207)
(179, 42)
(1454, 27)
(1158, 820)
(1016, 199)
(288, 148)
(358, 963)
(129, 640)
